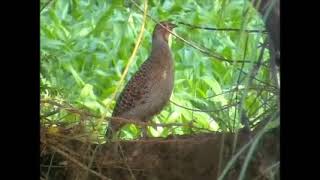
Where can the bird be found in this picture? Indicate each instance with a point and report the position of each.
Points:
(149, 89)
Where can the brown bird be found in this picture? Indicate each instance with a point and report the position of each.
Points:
(150, 88)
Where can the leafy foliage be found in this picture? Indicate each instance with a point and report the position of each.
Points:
(86, 44)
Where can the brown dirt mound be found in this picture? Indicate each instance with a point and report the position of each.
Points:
(201, 157)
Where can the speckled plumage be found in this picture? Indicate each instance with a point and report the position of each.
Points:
(150, 88)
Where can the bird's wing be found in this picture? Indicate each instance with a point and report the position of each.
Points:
(136, 90)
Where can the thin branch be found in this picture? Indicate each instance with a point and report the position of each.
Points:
(250, 80)
(121, 120)
(272, 166)
(226, 92)
(258, 80)
(125, 159)
(262, 88)
(222, 142)
(69, 108)
(75, 161)
(233, 159)
(245, 123)
(49, 168)
(222, 29)
(198, 110)
(255, 100)
(49, 101)
(265, 121)
(263, 104)
(50, 113)
(262, 115)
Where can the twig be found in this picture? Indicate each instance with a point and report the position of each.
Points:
(252, 122)
(250, 80)
(272, 166)
(49, 168)
(255, 99)
(233, 159)
(265, 121)
(124, 120)
(243, 118)
(69, 108)
(222, 29)
(125, 159)
(264, 103)
(49, 101)
(263, 82)
(50, 113)
(226, 92)
(221, 154)
(198, 110)
(78, 163)
(238, 83)
(91, 159)
(251, 88)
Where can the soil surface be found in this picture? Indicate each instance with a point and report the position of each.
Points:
(189, 157)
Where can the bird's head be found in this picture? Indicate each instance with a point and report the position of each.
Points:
(161, 32)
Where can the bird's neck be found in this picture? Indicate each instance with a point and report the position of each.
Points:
(160, 50)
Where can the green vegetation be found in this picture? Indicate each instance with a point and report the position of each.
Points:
(86, 45)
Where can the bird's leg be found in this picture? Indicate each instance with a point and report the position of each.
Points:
(144, 131)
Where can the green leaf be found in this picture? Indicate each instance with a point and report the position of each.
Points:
(212, 83)
(75, 74)
(87, 92)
